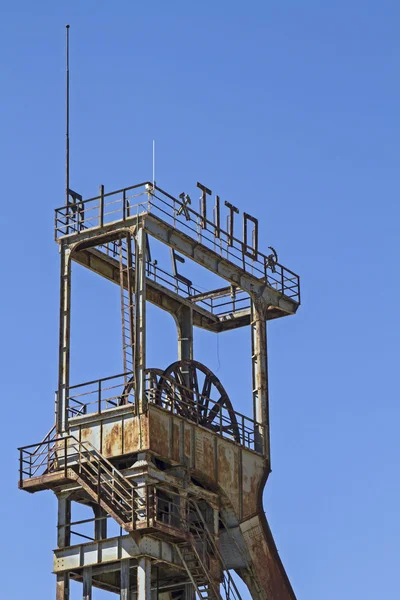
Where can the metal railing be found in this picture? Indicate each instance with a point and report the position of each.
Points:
(31, 462)
(143, 198)
(100, 395)
(103, 481)
(202, 543)
(224, 302)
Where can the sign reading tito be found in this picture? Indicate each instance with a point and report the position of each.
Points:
(250, 224)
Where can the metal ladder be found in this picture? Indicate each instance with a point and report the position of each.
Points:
(127, 303)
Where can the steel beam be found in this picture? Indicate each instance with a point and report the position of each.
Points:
(217, 264)
(100, 525)
(64, 519)
(260, 376)
(87, 583)
(62, 586)
(125, 580)
(140, 321)
(64, 342)
(184, 324)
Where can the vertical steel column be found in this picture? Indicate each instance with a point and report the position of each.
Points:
(64, 520)
(63, 540)
(100, 525)
(64, 340)
(140, 321)
(62, 586)
(87, 583)
(184, 324)
(260, 376)
(144, 579)
(125, 580)
(188, 593)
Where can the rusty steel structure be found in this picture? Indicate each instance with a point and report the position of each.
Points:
(173, 475)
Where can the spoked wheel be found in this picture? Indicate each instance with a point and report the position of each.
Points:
(190, 389)
(152, 379)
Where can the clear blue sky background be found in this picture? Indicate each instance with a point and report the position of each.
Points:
(291, 111)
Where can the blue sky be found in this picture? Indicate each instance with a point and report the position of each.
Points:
(290, 111)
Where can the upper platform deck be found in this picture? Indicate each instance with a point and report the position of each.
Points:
(172, 221)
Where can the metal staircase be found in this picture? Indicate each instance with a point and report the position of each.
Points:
(81, 462)
(199, 554)
(104, 483)
(73, 460)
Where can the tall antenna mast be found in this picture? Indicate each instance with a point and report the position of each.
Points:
(67, 120)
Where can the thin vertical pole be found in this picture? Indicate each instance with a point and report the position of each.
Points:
(154, 163)
(67, 118)
(101, 215)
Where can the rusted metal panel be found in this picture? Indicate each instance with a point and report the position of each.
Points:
(267, 565)
(112, 434)
(159, 424)
(131, 434)
(252, 473)
(112, 437)
(204, 448)
(187, 444)
(228, 472)
(176, 453)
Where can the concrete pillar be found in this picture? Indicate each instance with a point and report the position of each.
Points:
(184, 323)
(260, 376)
(64, 341)
(144, 578)
(125, 580)
(87, 583)
(140, 320)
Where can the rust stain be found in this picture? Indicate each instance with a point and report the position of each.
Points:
(112, 440)
(131, 435)
(266, 562)
(86, 433)
(144, 425)
(175, 446)
(159, 433)
(208, 456)
(252, 476)
(227, 477)
(187, 444)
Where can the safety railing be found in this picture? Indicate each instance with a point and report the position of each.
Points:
(204, 411)
(104, 482)
(100, 395)
(201, 533)
(143, 198)
(222, 302)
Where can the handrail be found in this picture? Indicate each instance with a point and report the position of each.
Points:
(73, 218)
(228, 582)
(123, 395)
(87, 462)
